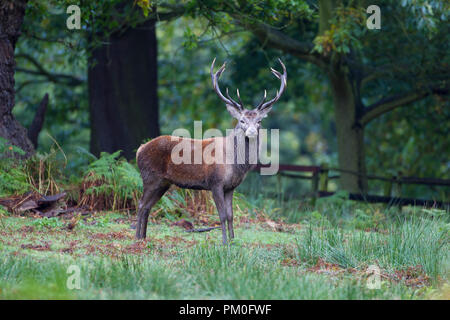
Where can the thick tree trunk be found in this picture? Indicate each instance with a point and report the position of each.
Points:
(11, 18)
(347, 107)
(350, 137)
(123, 91)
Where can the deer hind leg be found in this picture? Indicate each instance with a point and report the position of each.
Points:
(151, 195)
(229, 207)
(218, 196)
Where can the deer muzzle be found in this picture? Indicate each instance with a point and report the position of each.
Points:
(251, 132)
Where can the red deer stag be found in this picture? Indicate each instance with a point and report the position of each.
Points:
(159, 171)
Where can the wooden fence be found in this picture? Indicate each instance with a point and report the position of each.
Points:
(320, 176)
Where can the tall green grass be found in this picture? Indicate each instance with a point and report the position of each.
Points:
(239, 273)
(32, 278)
(413, 242)
(202, 272)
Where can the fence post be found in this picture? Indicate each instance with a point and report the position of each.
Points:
(399, 184)
(388, 187)
(314, 187)
(323, 177)
(280, 193)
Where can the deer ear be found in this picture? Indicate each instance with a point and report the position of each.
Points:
(263, 113)
(235, 113)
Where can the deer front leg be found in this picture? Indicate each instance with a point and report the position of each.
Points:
(229, 207)
(219, 200)
(142, 212)
(142, 216)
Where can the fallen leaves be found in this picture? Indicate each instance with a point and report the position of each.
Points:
(274, 225)
(412, 276)
(189, 227)
(39, 205)
(183, 223)
(38, 247)
(117, 235)
(73, 222)
(27, 229)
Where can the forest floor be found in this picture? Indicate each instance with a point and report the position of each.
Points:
(41, 258)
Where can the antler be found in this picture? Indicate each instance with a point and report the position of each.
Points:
(215, 81)
(283, 78)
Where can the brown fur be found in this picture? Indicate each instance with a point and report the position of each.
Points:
(159, 172)
(154, 157)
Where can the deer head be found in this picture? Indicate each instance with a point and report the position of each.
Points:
(248, 120)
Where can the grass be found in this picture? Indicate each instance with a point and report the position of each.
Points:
(318, 258)
(412, 243)
(285, 248)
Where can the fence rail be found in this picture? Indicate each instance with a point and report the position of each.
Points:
(321, 176)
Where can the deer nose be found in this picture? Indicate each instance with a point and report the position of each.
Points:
(251, 132)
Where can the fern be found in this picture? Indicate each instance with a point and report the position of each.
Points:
(13, 180)
(113, 177)
(6, 149)
(13, 177)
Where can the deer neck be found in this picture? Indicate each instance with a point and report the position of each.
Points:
(245, 150)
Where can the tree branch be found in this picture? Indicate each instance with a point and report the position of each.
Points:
(34, 36)
(38, 121)
(55, 77)
(276, 39)
(52, 77)
(267, 34)
(176, 11)
(390, 103)
(29, 82)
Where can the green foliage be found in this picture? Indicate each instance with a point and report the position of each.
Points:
(13, 178)
(405, 149)
(38, 173)
(46, 171)
(116, 178)
(191, 41)
(7, 149)
(145, 6)
(47, 223)
(347, 28)
(171, 205)
(429, 13)
(305, 114)
(366, 219)
(3, 213)
(94, 222)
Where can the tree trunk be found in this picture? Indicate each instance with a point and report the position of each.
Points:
(350, 137)
(345, 87)
(38, 121)
(11, 18)
(123, 99)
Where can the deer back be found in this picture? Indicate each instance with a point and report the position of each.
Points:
(154, 160)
